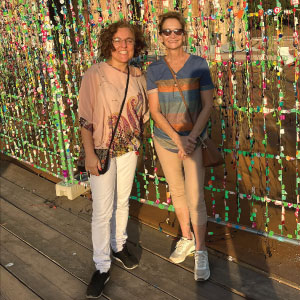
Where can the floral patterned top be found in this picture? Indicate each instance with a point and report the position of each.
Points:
(100, 98)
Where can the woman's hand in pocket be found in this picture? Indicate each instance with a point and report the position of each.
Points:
(92, 164)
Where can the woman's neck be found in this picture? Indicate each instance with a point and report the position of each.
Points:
(118, 65)
(175, 54)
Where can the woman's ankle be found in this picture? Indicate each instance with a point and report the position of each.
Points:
(201, 248)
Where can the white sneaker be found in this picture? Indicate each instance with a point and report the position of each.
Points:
(184, 247)
(201, 271)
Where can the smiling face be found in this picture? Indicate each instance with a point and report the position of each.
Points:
(124, 48)
(172, 41)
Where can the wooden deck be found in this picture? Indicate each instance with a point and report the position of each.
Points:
(46, 253)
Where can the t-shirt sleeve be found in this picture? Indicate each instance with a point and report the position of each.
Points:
(87, 96)
(205, 77)
(151, 85)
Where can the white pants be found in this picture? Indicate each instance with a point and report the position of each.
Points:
(110, 193)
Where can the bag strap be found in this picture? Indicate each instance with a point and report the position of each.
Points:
(180, 90)
(115, 129)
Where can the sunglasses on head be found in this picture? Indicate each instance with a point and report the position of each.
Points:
(168, 32)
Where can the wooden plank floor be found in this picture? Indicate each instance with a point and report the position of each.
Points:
(46, 253)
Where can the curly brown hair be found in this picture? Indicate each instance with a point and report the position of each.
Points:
(171, 15)
(105, 40)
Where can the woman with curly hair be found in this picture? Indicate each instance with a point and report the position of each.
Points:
(104, 87)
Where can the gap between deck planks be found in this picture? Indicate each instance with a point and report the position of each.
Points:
(34, 205)
(12, 288)
(9, 213)
(70, 256)
(41, 275)
(78, 260)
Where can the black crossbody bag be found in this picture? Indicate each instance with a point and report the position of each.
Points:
(103, 154)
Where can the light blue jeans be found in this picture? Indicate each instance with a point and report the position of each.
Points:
(110, 193)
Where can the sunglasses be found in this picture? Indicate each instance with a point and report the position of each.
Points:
(168, 32)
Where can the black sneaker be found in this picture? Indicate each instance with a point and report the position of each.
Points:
(96, 285)
(128, 260)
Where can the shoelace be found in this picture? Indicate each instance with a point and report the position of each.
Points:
(181, 244)
(200, 260)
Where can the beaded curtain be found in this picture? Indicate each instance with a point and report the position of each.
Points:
(46, 46)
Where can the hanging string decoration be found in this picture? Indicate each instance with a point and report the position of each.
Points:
(253, 52)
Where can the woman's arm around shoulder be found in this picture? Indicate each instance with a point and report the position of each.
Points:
(142, 82)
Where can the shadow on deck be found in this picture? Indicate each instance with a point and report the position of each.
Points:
(47, 254)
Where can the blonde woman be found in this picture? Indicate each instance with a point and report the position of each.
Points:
(176, 132)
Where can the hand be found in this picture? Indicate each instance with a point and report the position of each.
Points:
(186, 144)
(92, 164)
(181, 155)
